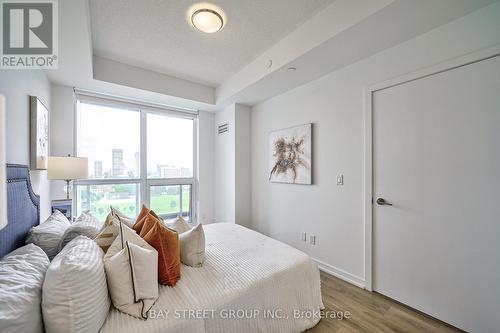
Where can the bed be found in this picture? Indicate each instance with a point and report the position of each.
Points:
(248, 283)
(23, 208)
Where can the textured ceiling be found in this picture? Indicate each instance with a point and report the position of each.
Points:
(155, 34)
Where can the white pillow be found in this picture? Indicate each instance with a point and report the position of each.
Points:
(48, 234)
(118, 216)
(107, 235)
(85, 225)
(75, 296)
(111, 228)
(21, 278)
(109, 231)
(178, 224)
(192, 246)
(86, 218)
(132, 271)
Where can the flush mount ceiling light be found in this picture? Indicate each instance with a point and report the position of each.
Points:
(207, 20)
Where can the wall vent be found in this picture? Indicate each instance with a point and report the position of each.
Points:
(223, 128)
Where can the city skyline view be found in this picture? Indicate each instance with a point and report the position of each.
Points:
(119, 170)
(114, 151)
(110, 137)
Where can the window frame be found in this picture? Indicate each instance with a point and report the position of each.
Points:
(145, 183)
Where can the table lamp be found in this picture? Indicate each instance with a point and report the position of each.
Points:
(68, 168)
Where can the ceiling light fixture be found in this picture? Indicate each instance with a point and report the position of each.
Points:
(292, 69)
(207, 20)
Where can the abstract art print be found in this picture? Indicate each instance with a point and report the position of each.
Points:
(290, 155)
(39, 134)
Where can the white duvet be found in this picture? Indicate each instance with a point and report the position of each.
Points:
(248, 283)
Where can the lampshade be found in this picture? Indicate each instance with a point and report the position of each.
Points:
(68, 168)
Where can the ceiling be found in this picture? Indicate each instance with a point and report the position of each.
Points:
(155, 35)
(146, 51)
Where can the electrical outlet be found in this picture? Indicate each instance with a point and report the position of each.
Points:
(312, 240)
(304, 237)
(340, 179)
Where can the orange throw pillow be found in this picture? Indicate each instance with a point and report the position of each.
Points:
(141, 218)
(166, 242)
(147, 223)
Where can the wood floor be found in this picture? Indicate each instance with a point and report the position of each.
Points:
(370, 312)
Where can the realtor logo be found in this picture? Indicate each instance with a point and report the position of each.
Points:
(29, 34)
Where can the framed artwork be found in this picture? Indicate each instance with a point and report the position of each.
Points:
(290, 159)
(64, 206)
(39, 150)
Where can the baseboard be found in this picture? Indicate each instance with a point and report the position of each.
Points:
(341, 274)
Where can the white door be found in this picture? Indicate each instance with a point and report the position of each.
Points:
(436, 158)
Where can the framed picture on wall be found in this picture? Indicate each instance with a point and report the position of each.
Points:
(290, 159)
(39, 150)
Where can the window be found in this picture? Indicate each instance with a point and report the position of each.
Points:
(110, 138)
(169, 142)
(171, 200)
(137, 154)
(98, 198)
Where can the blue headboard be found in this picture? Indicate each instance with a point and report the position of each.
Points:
(23, 208)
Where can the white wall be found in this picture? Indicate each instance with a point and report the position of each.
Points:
(61, 123)
(334, 104)
(232, 166)
(225, 167)
(206, 171)
(17, 86)
(243, 184)
(3, 161)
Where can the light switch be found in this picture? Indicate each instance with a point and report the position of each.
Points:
(340, 179)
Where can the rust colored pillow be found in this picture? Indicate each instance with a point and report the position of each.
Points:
(166, 242)
(147, 223)
(141, 218)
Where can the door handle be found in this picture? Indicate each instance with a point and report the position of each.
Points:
(382, 202)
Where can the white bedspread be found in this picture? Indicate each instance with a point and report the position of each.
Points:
(246, 274)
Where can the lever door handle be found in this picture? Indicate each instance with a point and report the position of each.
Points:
(382, 202)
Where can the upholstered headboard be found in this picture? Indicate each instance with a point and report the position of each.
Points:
(23, 208)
